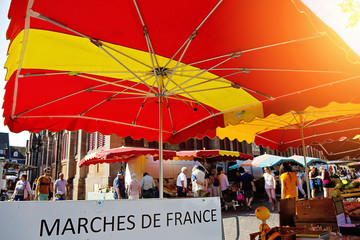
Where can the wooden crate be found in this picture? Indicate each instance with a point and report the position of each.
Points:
(321, 212)
(320, 223)
(286, 233)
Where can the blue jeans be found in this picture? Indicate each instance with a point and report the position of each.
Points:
(19, 198)
(180, 192)
(148, 193)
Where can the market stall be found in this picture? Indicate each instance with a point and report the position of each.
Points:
(133, 155)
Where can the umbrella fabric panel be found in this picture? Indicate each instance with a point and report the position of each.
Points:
(325, 129)
(219, 79)
(213, 153)
(267, 160)
(334, 150)
(122, 155)
(309, 160)
(280, 132)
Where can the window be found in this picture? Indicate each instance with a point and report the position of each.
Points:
(100, 140)
(227, 144)
(199, 144)
(91, 141)
(190, 144)
(16, 154)
(222, 144)
(207, 143)
(154, 144)
(129, 141)
(182, 146)
(235, 145)
(64, 146)
(139, 143)
(76, 142)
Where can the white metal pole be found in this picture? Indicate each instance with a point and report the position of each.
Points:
(306, 167)
(161, 170)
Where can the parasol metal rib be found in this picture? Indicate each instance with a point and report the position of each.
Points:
(125, 67)
(105, 45)
(47, 19)
(199, 74)
(113, 83)
(196, 101)
(142, 105)
(171, 120)
(257, 48)
(207, 81)
(319, 86)
(90, 118)
(194, 33)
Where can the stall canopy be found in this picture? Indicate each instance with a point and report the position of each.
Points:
(335, 150)
(332, 122)
(268, 160)
(122, 154)
(213, 155)
(309, 160)
(171, 70)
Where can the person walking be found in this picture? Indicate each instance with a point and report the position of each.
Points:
(62, 187)
(312, 181)
(301, 181)
(215, 190)
(134, 190)
(44, 186)
(147, 185)
(246, 184)
(181, 182)
(119, 186)
(22, 190)
(270, 186)
(224, 184)
(326, 180)
(289, 182)
(198, 182)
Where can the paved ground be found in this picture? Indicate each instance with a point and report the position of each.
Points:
(248, 223)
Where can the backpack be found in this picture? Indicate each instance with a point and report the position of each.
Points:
(19, 189)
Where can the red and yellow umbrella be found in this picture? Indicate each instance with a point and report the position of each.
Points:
(179, 68)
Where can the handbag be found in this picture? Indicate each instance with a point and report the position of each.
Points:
(240, 196)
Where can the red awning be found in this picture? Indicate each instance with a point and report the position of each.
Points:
(122, 154)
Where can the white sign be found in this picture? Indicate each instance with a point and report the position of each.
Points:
(192, 218)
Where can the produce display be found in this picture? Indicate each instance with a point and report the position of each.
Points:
(351, 206)
(346, 189)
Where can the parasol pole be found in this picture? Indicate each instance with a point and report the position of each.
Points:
(161, 170)
(304, 153)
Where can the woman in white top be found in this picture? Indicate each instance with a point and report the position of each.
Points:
(270, 186)
(134, 188)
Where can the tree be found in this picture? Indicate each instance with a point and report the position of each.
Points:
(352, 7)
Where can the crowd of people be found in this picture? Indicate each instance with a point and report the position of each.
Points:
(44, 189)
(215, 183)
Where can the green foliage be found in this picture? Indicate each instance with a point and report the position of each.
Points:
(351, 7)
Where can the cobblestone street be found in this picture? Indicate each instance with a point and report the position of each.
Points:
(248, 223)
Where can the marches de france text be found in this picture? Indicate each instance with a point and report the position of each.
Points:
(97, 224)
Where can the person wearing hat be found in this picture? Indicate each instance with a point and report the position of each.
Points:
(134, 190)
(119, 186)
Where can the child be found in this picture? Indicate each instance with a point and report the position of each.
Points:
(58, 196)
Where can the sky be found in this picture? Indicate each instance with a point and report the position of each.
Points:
(327, 10)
